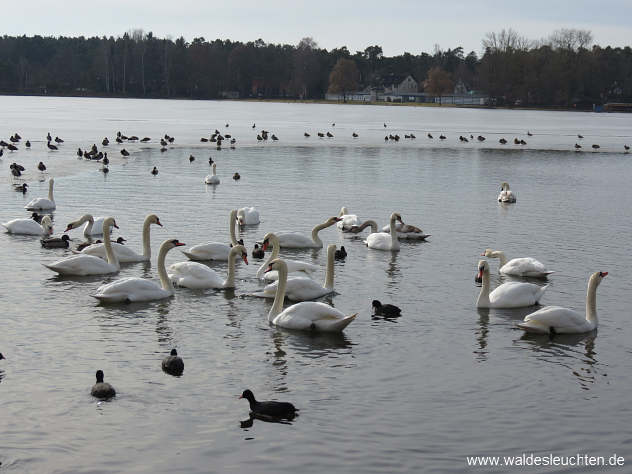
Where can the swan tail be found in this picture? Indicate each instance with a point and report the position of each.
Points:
(534, 327)
(261, 294)
(190, 256)
(337, 326)
(541, 293)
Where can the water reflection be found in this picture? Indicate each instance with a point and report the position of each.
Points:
(481, 334)
(253, 416)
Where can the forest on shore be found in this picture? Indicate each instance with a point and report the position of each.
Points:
(563, 70)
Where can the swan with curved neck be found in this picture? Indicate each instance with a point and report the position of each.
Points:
(559, 320)
(294, 240)
(356, 229)
(293, 266)
(29, 227)
(212, 178)
(248, 216)
(508, 295)
(82, 264)
(123, 252)
(302, 288)
(43, 204)
(525, 266)
(506, 195)
(215, 250)
(93, 226)
(384, 240)
(130, 290)
(307, 315)
(198, 276)
(347, 220)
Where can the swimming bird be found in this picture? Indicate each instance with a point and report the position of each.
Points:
(306, 134)
(330, 135)
(105, 142)
(278, 410)
(124, 152)
(41, 166)
(430, 136)
(523, 266)
(102, 389)
(58, 140)
(51, 146)
(21, 188)
(191, 158)
(626, 148)
(145, 139)
(173, 364)
(43, 204)
(595, 147)
(442, 137)
(341, 253)
(577, 146)
(502, 141)
(508, 295)
(529, 133)
(56, 242)
(27, 144)
(580, 136)
(506, 195)
(12, 147)
(258, 252)
(386, 310)
(354, 135)
(154, 171)
(236, 176)
(212, 178)
(105, 170)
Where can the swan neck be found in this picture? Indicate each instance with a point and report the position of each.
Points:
(329, 273)
(162, 271)
(50, 190)
(230, 279)
(368, 223)
(231, 227)
(274, 240)
(394, 239)
(87, 232)
(213, 169)
(147, 239)
(315, 231)
(591, 301)
(501, 256)
(279, 297)
(483, 297)
(109, 251)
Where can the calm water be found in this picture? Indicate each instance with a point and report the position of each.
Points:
(419, 393)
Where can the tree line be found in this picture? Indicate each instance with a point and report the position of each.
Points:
(562, 70)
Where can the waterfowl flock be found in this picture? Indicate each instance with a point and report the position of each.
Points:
(287, 279)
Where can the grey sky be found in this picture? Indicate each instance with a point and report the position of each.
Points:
(396, 25)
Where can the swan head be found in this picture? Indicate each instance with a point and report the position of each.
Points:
(276, 264)
(109, 222)
(153, 219)
(333, 220)
(396, 216)
(488, 253)
(597, 277)
(483, 267)
(240, 250)
(172, 243)
(266, 240)
(78, 222)
(504, 186)
(47, 224)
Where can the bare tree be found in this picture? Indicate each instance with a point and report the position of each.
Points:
(506, 41)
(570, 39)
(138, 36)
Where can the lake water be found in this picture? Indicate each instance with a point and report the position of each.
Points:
(414, 394)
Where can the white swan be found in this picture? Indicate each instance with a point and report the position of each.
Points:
(43, 204)
(356, 229)
(123, 252)
(129, 290)
(212, 178)
(93, 226)
(294, 240)
(506, 195)
(215, 250)
(508, 295)
(248, 216)
(383, 240)
(293, 266)
(198, 276)
(348, 220)
(302, 288)
(29, 226)
(83, 265)
(559, 320)
(525, 266)
(307, 315)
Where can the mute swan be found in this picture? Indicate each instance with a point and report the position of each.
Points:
(269, 409)
(302, 288)
(525, 266)
(293, 266)
(173, 364)
(348, 220)
(93, 226)
(559, 320)
(407, 232)
(215, 250)
(43, 204)
(83, 264)
(29, 226)
(294, 240)
(356, 229)
(307, 315)
(198, 276)
(248, 216)
(130, 290)
(383, 240)
(102, 389)
(506, 195)
(508, 295)
(123, 252)
(212, 178)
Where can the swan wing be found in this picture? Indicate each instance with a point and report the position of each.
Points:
(131, 289)
(311, 315)
(248, 216)
(293, 266)
(82, 265)
(39, 204)
(194, 275)
(123, 252)
(379, 241)
(97, 226)
(525, 266)
(562, 320)
(516, 295)
(347, 221)
(23, 226)
(294, 240)
(209, 251)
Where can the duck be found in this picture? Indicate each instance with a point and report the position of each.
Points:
(36, 217)
(173, 364)
(212, 178)
(385, 240)
(191, 158)
(29, 226)
(626, 148)
(124, 152)
(27, 144)
(145, 139)
(518, 267)
(274, 410)
(215, 250)
(508, 295)
(386, 310)
(559, 320)
(198, 276)
(303, 288)
(502, 141)
(295, 240)
(105, 142)
(154, 171)
(293, 266)
(506, 195)
(595, 147)
(102, 389)
(133, 289)
(56, 242)
(341, 253)
(236, 176)
(50, 146)
(248, 216)
(41, 166)
(21, 188)
(43, 204)
(84, 264)
(430, 136)
(258, 252)
(306, 315)
(580, 136)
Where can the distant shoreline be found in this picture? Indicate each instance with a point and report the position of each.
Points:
(315, 101)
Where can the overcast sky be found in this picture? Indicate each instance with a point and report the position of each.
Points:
(396, 25)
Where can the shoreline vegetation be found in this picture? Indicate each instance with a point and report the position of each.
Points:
(564, 71)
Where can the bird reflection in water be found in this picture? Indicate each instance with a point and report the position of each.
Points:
(481, 335)
(268, 419)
